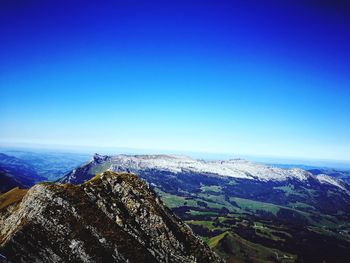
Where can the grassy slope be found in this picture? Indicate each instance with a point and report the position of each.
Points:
(236, 249)
(11, 197)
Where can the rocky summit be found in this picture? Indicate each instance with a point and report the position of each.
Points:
(113, 217)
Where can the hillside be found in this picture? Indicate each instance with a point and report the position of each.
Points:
(16, 173)
(110, 218)
(235, 249)
(49, 165)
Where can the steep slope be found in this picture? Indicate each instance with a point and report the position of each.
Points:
(111, 218)
(15, 172)
(11, 197)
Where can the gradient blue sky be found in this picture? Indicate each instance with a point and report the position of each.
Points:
(244, 77)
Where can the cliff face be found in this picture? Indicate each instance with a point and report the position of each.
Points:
(111, 218)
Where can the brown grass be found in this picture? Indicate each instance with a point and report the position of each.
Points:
(13, 196)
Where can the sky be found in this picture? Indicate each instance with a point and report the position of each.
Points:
(268, 78)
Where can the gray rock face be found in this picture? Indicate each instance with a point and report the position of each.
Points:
(100, 158)
(111, 218)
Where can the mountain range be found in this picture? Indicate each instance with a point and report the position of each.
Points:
(244, 211)
(290, 214)
(236, 168)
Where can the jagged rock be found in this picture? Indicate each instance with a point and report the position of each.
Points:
(110, 218)
(100, 158)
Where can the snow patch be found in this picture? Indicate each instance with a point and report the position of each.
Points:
(325, 179)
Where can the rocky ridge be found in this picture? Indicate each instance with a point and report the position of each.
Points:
(110, 218)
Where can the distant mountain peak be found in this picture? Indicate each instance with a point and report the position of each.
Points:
(100, 158)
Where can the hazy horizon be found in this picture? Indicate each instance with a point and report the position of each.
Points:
(90, 150)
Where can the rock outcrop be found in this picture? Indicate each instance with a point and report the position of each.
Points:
(110, 218)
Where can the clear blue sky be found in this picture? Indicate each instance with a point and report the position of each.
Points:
(244, 77)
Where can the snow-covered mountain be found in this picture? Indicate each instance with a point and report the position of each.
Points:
(235, 168)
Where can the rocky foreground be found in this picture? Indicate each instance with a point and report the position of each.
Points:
(110, 218)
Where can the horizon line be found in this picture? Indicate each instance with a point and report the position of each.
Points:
(91, 149)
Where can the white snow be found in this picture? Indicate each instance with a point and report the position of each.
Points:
(325, 179)
(234, 168)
